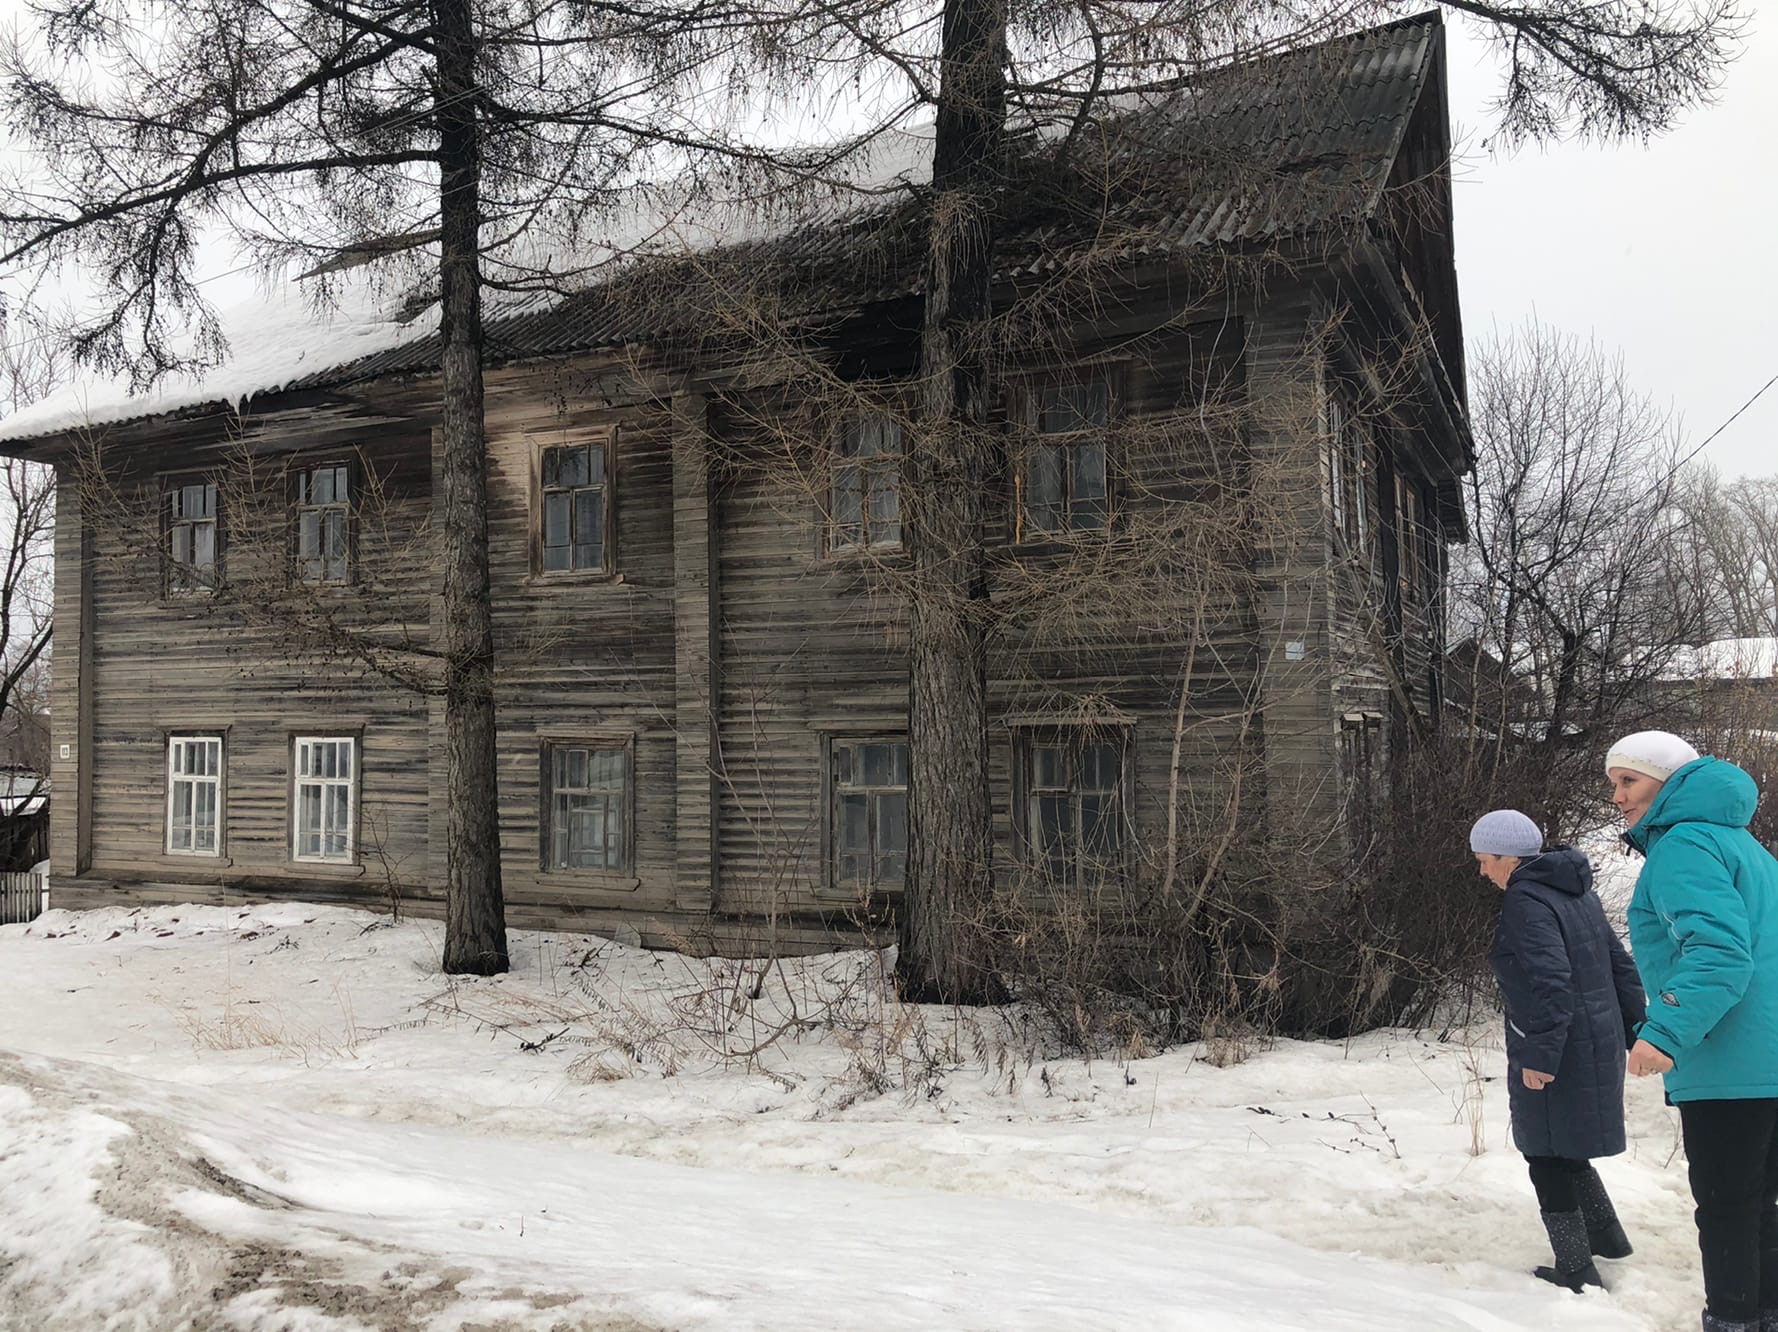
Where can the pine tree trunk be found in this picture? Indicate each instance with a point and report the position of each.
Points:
(475, 908)
(950, 832)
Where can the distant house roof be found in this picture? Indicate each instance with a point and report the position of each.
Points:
(1296, 145)
(1725, 659)
(22, 792)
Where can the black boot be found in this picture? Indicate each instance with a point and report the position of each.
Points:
(1714, 1324)
(1605, 1234)
(1574, 1268)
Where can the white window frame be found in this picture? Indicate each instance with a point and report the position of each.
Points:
(175, 779)
(298, 780)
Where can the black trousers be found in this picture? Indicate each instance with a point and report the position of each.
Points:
(1732, 1148)
(1554, 1179)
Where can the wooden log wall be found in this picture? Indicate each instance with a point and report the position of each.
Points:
(723, 646)
(154, 662)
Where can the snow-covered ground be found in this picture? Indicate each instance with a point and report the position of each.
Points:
(286, 1117)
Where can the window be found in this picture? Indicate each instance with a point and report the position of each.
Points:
(1360, 734)
(191, 536)
(1073, 815)
(324, 798)
(1061, 482)
(1409, 540)
(1348, 474)
(864, 503)
(194, 795)
(869, 837)
(575, 495)
(323, 518)
(588, 811)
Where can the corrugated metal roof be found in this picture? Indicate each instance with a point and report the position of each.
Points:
(1294, 145)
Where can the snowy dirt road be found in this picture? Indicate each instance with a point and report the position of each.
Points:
(273, 1118)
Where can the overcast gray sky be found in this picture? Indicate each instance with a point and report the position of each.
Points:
(1669, 251)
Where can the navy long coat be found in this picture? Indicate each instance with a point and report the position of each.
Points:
(1573, 1003)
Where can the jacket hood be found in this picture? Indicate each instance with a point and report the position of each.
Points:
(1561, 868)
(1706, 790)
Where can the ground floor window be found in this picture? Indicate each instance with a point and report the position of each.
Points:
(1072, 814)
(194, 795)
(869, 832)
(587, 806)
(325, 798)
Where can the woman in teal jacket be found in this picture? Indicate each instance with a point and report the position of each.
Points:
(1704, 932)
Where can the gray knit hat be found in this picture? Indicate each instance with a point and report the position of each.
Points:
(1506, 832)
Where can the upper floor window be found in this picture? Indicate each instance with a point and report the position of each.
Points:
(1348, 474)
(324, 823)
(323, 523)
(194, 795)
(864, 499)
(869, 838)
(587, 793)
(192, 546)
(1061, 479)
(1073, 816)
(576, 508)
(1408, 539)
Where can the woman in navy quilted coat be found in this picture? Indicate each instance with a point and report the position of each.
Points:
(1573, 1003)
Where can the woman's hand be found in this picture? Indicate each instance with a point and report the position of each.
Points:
(1645, 1059)
(1535, 1080)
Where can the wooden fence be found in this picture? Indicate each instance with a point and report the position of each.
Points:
(22, 896)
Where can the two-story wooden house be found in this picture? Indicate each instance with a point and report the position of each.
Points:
(1227, 476)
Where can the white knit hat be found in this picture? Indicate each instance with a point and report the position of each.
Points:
(1506, 832)
(1657, 754)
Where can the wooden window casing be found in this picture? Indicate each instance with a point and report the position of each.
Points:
(1062, 482)
(588, 807)
(867, 830)
(1073, 803)
(322, 522)
(574, 508)
(864, 485)
(194, 795)
(324, 799)
(193, 535)
(1351, 468)
(1409, 571)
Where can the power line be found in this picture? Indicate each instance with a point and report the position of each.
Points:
(1726, 424)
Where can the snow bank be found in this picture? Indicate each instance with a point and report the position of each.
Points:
(286, 1117)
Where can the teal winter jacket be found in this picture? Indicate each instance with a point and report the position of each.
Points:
(1704, 932)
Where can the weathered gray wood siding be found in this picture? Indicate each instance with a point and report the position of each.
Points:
(725, 647)
(812, 646)
(584, 656)
(1287, 383)
(164, 662)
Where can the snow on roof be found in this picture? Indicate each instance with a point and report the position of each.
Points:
(281, 336)
(22, 792)
(1326, 131)
(1726, 659)
(274, 337)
